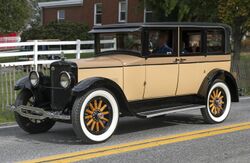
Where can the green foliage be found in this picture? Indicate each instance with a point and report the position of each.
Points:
(184, 10)
(64, 31)
(236, 13)
(14, 15)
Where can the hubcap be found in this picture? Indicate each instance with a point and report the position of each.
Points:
(217, 102)
(98, 115)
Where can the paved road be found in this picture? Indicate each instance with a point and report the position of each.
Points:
(16, 145)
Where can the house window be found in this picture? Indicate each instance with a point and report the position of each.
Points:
(98, 14)
(60, 15)
(148, 15)
(122, 11)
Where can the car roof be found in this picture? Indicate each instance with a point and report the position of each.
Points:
(133, 27)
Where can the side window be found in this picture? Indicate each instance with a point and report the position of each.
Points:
(161, 42)
(215, 41)
(190, 42)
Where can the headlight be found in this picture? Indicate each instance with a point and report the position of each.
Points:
(34, 78)
(65, 80)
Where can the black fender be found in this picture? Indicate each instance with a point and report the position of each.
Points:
(23, 83)
(99, 82)
(226, 76)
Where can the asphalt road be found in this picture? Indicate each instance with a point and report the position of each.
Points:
(16, 145)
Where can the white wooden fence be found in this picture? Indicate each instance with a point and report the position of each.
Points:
(12, 71)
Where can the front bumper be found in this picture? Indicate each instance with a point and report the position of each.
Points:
(38, 113)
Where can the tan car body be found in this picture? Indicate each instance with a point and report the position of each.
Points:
(154, 77)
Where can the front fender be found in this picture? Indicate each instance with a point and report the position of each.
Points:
(23, 83)
(99, 82)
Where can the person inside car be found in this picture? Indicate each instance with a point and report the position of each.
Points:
(162, 47)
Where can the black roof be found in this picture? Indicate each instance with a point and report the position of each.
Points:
(132, 27)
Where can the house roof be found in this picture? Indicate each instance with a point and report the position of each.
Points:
(62, 3)
(132, 27)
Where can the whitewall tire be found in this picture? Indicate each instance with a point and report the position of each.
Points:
(95, 116)
(218, 103)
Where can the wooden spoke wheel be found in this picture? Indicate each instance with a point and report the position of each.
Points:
(218, 103)
(98, 115)
(95, 116)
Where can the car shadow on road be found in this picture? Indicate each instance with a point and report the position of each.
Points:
(64, 134)
(137, 125)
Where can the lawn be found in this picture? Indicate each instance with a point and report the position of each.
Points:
(6, 116)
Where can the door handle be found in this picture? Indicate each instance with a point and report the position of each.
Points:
(182, 60)
(178, 60)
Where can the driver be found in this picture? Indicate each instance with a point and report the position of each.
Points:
(162, 47)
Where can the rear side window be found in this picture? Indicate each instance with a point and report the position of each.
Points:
(215, 43)
(191, 42)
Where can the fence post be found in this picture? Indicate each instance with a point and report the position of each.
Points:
(35, 54)
(115, 43)
(78, 49)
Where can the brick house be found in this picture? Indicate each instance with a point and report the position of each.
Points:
(95, 12)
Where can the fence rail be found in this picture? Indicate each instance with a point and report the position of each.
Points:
(10, 72)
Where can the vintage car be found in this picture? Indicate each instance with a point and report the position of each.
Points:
(154, 69)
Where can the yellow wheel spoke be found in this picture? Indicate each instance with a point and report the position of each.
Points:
(95, 103)
(92, 107)
(214, 95)
(100, 104)
(93, 126)
(213, 110)
(221, 97)
(104, 107)
(105, 119)
(211, 105)
(101, 123)
(89, 122)
(221, 102)
(219, 94)
(97, 126)
(88, 117)
(212, 101)
(105, 113)
(88, 111)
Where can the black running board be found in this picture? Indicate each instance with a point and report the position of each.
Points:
(160, 112)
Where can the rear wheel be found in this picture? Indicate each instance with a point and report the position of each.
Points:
(25, 97)
(95, 116)
(218, 103)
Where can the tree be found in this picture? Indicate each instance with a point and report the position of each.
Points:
(184, 10)
(14, 15)
(237, 14)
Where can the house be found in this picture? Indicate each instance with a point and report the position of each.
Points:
(95, 12)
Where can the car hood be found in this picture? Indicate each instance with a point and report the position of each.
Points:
(109, 61)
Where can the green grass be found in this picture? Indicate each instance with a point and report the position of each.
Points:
(6, 116)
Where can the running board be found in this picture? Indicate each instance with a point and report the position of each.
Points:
(160, 112)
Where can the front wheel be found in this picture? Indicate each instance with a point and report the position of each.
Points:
(218, 103)
(31, 126)
(95, 116)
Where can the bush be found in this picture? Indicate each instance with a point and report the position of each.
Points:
(64, 31)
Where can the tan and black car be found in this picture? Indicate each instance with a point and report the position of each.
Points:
(154, 69)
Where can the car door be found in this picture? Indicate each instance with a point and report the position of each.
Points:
(192, 69)
(161, 69)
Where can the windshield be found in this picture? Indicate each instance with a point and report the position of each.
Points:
(124, 42)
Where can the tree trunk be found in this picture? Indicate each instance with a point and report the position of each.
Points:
(237, 37)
